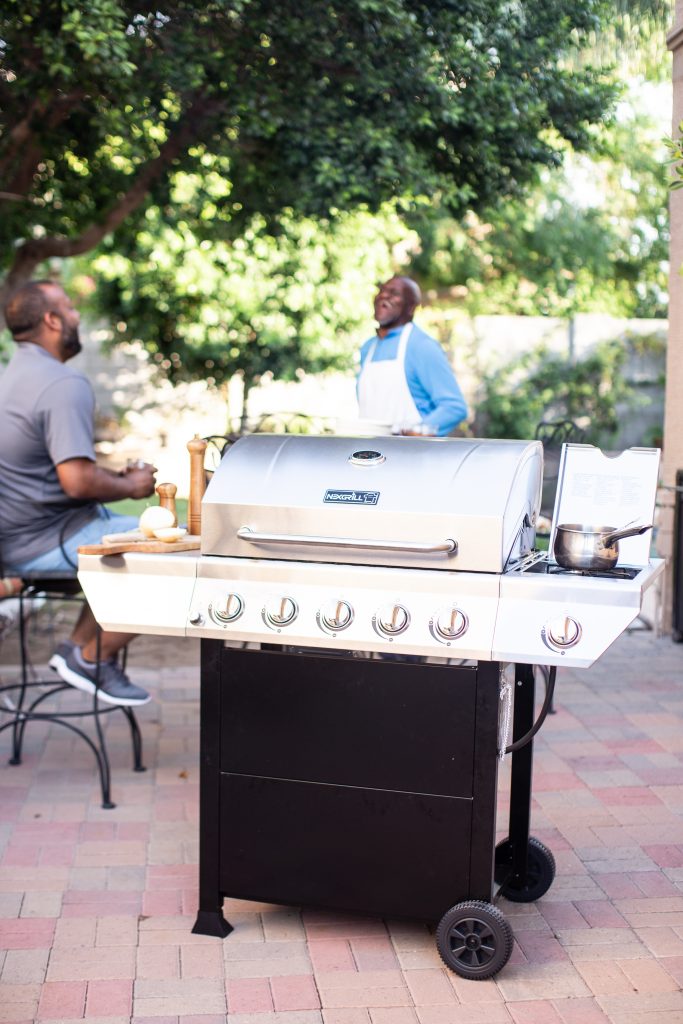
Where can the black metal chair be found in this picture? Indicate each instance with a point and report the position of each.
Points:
(24, 700)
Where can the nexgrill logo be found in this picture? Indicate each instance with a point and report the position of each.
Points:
(351, 497)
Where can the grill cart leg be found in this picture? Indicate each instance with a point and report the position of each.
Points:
(484, 784)
(525, 868)
(210, 920)
(474, 939)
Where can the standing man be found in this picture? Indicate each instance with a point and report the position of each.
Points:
(50, 484)
(405, 380)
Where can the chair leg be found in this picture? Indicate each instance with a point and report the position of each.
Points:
(18, 727)
(135, 739)
(19, 724)
(135, 734)
(102, 759)
(24, 712)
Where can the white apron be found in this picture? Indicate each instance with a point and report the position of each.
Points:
(383, 392)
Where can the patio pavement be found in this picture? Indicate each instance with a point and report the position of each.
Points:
(96, 906)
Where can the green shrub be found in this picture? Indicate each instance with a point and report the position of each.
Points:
(542, 386)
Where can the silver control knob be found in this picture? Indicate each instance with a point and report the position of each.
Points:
(280, 611)
(336, 615)
(196, 619)
(451, 623)
(393, 619)
(227, 609)
(562, 632)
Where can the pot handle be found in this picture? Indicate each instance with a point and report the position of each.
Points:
(609, 539)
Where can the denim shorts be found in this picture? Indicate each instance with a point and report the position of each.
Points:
(64, 558)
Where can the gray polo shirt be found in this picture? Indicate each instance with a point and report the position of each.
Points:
(46, 417)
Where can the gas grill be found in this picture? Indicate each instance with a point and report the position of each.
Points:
(370, 611)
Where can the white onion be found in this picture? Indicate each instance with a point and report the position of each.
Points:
(170, 534)
(156, 517)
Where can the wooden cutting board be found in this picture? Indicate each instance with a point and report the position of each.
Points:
(158, 547)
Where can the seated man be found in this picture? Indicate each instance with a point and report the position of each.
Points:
(50, 484)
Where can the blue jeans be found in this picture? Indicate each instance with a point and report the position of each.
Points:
(65, 557)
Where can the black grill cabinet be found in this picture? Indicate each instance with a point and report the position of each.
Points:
(365, 786)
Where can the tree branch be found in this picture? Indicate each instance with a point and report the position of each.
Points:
(24, 144)
(32, 252)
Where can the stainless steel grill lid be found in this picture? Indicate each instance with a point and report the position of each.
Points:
(438, 503)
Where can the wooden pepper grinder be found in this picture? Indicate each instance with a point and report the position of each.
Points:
(167, 493)
(196, 447)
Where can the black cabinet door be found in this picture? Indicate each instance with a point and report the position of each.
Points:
(373, 851)
(348, 722)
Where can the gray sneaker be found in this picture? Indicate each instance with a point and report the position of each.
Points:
(62, 652)
(114, 686)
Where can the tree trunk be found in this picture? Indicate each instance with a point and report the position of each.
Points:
(244, 418)
(225, 394)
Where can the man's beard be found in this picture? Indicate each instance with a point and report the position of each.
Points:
(71, 342)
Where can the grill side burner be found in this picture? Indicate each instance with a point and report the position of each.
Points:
(617, 572)
(551, 618)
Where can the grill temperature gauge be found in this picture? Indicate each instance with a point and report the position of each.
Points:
(392, 619)
(280, 611)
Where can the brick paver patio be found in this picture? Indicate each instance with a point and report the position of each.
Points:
(96, 906)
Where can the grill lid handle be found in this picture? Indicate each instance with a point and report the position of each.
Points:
(449, 547)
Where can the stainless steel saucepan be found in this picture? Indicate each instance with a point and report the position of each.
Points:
(578, 546)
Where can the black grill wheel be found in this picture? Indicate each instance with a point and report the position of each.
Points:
(540, 873)
(474, 939)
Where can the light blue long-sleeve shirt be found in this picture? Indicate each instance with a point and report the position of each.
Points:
(431, 381)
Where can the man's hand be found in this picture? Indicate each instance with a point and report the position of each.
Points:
(84, 480)
(140, 479)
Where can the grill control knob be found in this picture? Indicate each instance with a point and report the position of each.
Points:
(196, 619)
(227, 609)
(280, 611)
(393, 619)
(336, 615)
(563, 631)
(451, 623)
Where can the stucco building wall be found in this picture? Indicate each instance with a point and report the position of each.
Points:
(673, 404)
